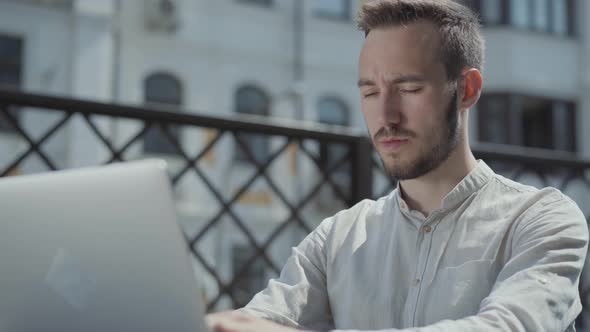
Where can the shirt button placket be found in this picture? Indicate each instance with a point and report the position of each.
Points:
(426, 230)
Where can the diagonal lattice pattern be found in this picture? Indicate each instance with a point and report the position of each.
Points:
(192, 163)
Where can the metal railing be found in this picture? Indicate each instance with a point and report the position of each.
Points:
(359, 152)
(363, 178)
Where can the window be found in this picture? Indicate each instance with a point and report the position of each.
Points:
(161, 89)
(491, 11)
(527, 121)
(253, 280)
(561, 17)
(549, 16)
(541, 15)
(252, 100)
(265, 3)
(11, 57)
(332, 8)
(332, 110)
(493, 119)
(520, 14)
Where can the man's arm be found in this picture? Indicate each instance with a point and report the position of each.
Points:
(537, 290)
(298, 297)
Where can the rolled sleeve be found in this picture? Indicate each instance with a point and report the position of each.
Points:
(298, 297)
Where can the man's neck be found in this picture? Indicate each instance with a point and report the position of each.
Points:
(425, 194)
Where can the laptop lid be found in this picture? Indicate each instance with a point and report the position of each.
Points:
(95, 249)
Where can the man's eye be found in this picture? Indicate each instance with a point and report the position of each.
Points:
(370, 94)
(411, 90)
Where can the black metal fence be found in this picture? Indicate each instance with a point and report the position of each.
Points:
(304, 164)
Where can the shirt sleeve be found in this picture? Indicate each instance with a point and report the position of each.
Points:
(537, 289)
(298, 297)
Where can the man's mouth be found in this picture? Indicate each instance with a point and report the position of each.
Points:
(394, 143)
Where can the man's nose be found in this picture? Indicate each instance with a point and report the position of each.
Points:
(390, 112)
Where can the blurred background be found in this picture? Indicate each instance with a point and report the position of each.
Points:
(254, 105)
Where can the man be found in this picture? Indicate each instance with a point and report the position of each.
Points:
(455, 247)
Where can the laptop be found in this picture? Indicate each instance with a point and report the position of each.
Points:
(95, 249)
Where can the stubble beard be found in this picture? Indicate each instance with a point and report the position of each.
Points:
(431, 157)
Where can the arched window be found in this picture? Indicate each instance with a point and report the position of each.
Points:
(161, 89)
(252, 100)
(332, 110)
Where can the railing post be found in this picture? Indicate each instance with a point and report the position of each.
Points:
(362, 171)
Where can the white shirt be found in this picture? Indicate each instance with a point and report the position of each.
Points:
(497, 256)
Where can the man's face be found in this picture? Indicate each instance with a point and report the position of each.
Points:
(409, 106)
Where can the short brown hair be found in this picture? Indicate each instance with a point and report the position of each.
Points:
(462, 44)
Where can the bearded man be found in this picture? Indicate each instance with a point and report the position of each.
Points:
(455, 247)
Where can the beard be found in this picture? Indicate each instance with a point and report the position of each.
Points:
(442, 143)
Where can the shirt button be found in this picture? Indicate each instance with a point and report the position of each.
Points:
(404, 206)
(543, 280)
(417, 282)
(427, 229)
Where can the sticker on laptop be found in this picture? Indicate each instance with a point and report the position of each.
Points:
(67, 279)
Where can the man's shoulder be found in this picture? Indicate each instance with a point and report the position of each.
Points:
(531, 200)
(504, 186)
(362, 208)
(345, 221)
(360, 211)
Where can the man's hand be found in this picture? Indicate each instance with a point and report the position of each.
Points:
(231, 321)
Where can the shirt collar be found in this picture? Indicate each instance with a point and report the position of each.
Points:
(475, 180)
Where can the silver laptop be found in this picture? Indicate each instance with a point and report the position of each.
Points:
(95, 250)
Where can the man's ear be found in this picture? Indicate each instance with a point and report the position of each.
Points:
(471, 85)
